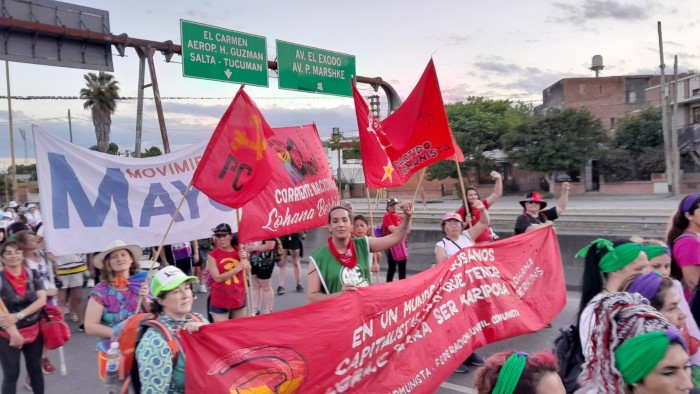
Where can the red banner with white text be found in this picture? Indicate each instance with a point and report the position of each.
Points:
(402, 336)
(300, 192)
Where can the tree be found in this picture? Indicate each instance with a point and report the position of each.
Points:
(152, 151)
(478, 124)
(560, 141)
(100, 95)
(113, 149)
(637, 149)
(25, 169)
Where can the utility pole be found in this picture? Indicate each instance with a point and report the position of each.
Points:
(664, 115)
(70, 128)
(676, 158)
(12, 134)
(336, 137)
(139, 102)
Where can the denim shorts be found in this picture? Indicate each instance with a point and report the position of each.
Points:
(222, 311)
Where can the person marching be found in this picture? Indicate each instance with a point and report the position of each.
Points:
(534, 217)
(343, 265)
(472, 197)
(226, 264)
(390, 223)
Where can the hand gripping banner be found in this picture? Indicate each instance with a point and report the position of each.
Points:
(398, 337)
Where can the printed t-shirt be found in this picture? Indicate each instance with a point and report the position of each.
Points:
(334, 275)
(226, 261)
(118, 306)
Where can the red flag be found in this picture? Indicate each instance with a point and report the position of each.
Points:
(235, 166)
(301, 189)
(376, 165)
(418, 132)
(405, 336)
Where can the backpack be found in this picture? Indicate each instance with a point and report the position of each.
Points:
(128, 334)
(567, 349)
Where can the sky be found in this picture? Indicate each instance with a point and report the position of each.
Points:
(500, 50)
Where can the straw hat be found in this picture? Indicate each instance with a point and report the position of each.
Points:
(117, 244)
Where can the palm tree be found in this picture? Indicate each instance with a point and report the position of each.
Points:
(101, 94)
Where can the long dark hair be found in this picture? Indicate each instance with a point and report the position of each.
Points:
(679, 223)
(593, 280)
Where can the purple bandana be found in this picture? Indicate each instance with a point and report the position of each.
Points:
(647, 285)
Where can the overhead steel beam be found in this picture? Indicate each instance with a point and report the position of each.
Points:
(168, 48)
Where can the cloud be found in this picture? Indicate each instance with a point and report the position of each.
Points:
(501, 68)
(456, 93)
(456, 40)
(601, 9)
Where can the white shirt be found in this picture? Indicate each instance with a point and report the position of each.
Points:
(449, 246)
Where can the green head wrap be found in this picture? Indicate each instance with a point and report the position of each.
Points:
(617, 257)
(509, 376)
(638, 356)
(654, 250)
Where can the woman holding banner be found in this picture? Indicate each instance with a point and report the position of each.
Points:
(457, 239)
(226, 264)
(114, 299)
(343, 265)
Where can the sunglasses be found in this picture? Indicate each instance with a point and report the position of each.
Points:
(220, 235)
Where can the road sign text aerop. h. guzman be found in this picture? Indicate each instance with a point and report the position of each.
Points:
(210, 52)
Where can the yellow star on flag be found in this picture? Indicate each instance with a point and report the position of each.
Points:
(388, 169)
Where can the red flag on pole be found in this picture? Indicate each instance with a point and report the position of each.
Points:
(235, 166)
(376, 165)
(419, 132)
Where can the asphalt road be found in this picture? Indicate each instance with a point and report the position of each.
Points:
(82, 368)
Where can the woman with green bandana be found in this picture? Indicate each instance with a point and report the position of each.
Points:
(607, 265)
(656, 362)
(519, 373)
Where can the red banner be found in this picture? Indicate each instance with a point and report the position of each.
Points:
(403, 336)
(418, 132)
(301, 190)
(236, 164)
(376, 165)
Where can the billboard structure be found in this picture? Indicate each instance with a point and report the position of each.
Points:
(21, 43)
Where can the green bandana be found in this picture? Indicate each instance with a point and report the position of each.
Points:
(638, 356)
(617, 257)
(510, 373)
(654, 251)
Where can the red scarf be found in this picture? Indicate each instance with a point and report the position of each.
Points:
(120, 282)
(349, 259)
(19, 283)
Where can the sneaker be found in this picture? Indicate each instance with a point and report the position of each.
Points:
(202, 288)
(280, 290)
(266, 311)
(46, 366)
(27, 384)
(81, 328)
(300, 288)
(474, 359)
(91, 283)
(462, 369)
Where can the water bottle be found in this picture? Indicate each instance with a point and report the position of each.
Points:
(114, 355)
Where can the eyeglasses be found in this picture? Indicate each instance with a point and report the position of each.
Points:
(220, 235)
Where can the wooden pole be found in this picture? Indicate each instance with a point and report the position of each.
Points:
(461, 185)
(420, 181)
(675, 153)
(162, 242)
(371, 227)
(245, 272)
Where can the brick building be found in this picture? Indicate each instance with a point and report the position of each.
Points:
(606, 98)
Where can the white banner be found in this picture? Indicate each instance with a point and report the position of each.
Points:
(90, 198)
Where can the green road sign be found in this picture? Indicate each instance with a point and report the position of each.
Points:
(210, 52)
(314, 70)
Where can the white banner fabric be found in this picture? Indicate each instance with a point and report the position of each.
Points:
(90, 198)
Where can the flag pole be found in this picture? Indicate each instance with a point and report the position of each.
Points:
(160, 248)
(245, 272)
(420, 181)
(371, 226)
(464, 193)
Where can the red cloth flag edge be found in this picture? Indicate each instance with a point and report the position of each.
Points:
(236, 163)
(376, 164)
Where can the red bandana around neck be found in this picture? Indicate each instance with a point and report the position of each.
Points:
(19, 282)
(349, 259)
